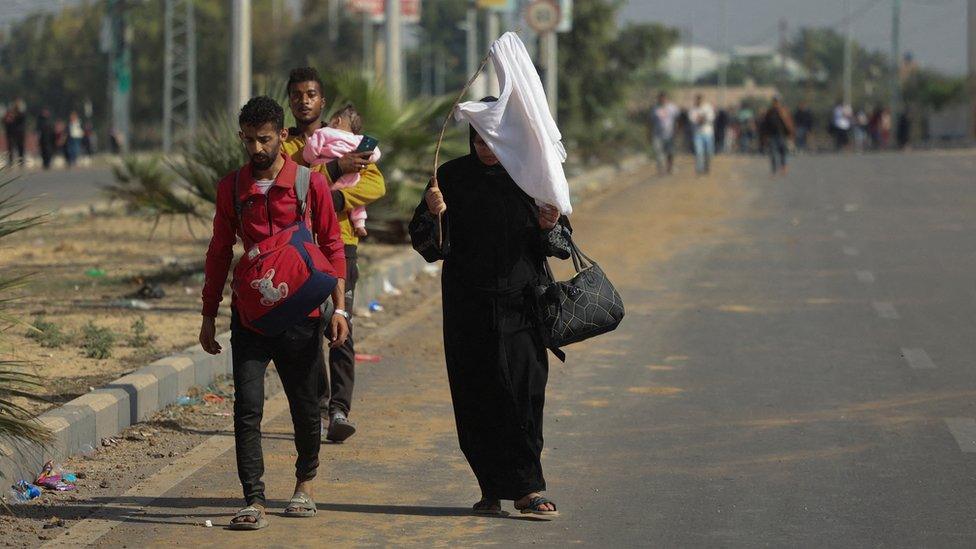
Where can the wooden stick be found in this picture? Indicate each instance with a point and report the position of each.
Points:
(440, 140)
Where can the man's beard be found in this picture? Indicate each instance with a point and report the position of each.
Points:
(261, 161)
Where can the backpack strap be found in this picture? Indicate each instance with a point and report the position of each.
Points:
(303, 180)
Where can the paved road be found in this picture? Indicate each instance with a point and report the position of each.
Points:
(795, 370)
(62, 188)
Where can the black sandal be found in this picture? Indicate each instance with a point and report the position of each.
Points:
(487, 507)
(535, 510)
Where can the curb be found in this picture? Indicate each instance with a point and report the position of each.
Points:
(79, 425)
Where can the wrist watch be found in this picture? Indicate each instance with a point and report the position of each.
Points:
(342, 313)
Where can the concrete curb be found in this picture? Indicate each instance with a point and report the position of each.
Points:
(80, 424)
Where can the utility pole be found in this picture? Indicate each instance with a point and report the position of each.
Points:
(723, 70)
(240, 56)
(471, 35)
(333, 21)
(492, 24)
(551, 47)
(116, 42)
(972, 67)
(895, 57)
(393, 53)
(180, 72)
(782, 53)
(368, 52)
(848, 53)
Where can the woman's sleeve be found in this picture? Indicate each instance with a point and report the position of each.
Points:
(556, 241)
(424, 232)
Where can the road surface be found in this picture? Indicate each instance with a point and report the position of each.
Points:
(795, 369)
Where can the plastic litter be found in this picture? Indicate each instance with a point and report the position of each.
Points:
(208, 523)
(184, 400)
(211, 398)
(375, 307)
(137, 304)
(24, 491)
(95, 272)
(362, 357)
(389, 288)
(52, 478)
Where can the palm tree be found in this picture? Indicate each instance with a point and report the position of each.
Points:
(186, 185)
(17, 424)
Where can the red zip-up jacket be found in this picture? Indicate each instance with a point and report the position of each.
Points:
(265, 215)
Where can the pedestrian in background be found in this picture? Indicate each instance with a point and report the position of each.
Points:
(777, 130)
(702, 117)
(840, 125)
(75, 134)
(721, 127)
(15, 125)
(664, 118)
(803, 125)
(46, 138)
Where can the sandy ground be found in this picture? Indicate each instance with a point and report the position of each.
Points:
(88, 269)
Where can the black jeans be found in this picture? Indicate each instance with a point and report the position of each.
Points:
(336, 384)
(296, 355)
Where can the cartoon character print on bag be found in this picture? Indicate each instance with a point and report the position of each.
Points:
(270, 293)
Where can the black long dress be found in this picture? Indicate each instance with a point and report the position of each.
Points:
(496, 362)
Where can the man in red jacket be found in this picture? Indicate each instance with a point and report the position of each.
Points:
(266, 189)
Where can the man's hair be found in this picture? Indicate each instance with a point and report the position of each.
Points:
(259, 111)
(350, 113)
(303, 74)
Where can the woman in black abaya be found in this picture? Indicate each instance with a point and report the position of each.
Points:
(495, 243)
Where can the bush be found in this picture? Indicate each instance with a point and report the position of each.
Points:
(47, 334)
(96, 341)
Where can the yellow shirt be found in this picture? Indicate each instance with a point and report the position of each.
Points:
(371, 186)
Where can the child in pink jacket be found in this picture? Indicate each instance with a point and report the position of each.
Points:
(341, 136)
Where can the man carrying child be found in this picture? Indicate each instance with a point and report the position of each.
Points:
(307, 103)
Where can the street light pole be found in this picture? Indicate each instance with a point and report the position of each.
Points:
(895, 57)
(848, 53)
(393, 53)
(471, 64)
(240, 56)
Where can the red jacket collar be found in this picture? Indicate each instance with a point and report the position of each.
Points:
(285, 178)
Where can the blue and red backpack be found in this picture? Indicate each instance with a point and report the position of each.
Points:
(283, 278)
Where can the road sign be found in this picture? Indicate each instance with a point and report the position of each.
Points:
(497, 5)
(565, 16)
(409, 10)
(542, 16)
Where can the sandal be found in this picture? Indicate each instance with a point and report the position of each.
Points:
(249, 511)
(534, 508)
(300, 506)
(487, 507)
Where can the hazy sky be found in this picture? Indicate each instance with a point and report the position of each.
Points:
(933, 30)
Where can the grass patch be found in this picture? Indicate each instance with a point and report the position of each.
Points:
(47, 334)
(138, 337)
(96, 341)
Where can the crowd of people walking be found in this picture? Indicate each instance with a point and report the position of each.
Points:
(74, 139)
(704, 130)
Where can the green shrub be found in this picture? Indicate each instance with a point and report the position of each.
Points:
(139, 338)
(96, 341)
(47, 334)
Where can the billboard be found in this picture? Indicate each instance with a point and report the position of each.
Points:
(409, 10)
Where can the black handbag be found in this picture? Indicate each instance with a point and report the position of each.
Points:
(582, 307)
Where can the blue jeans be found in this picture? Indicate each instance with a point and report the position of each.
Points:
(704, 150)
(778, 151)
